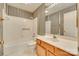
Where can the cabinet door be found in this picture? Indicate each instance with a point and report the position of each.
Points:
(38, 41)
(40, 51)
(59, 52)
(47, 46)
(50, 54)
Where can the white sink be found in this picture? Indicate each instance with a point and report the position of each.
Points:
(51, 38)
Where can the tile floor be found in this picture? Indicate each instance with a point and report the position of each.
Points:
(21, 51)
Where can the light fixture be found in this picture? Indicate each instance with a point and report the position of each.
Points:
(46, 11)
(24, 20)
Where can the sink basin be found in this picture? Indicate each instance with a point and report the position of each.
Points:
(52, 39)
(55, 40)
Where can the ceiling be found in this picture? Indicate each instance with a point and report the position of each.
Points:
(30, 7)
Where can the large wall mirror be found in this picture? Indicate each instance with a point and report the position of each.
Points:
(62, 22)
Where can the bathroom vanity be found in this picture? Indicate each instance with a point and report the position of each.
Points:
(47, 46)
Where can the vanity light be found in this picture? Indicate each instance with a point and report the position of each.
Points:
(46, 11)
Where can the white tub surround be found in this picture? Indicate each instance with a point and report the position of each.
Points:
(62, 43)
(17, 33)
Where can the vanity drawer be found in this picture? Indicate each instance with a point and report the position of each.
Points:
(38, 41)
(47, 46)
(59, 52)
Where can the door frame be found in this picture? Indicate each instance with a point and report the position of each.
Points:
(1, 37)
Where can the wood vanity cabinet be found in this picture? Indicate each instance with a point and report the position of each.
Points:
(59, 52)
(48, 47)
(40, 51)
(50, 54)
(45, 49)
(38, 41)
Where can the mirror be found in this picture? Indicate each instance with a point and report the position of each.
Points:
(70, 28)
(63, 21)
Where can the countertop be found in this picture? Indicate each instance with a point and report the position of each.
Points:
(62, 43)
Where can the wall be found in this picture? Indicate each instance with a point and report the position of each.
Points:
(1, 9)
(78, 23)
(40, 14)
(13, 11)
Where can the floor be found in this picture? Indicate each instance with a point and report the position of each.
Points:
(27, 52)
(21, 51)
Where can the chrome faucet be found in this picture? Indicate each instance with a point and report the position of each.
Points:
(54, 36)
